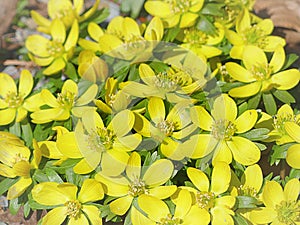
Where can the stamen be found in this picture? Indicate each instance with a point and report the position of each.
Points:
(223, 129)
(247, 191)
(137, 187)
(170, 220)
(73, 208)
(288, 212)
(67, 99)
(205, 200)
(13, 99)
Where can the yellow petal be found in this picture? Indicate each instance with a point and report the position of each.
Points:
(293, 130)
(56, 216)
(39, 19)
(263, 215)
(272, 194)
(88, 95)
(224, 108)
(154, 30)
(220, 178)
(254, 56)
(18, 188)
(114, 162)
(243, 22)
(278, 59)
(49, 99)
(150, 206)
(293, 155)
(72, 36)
(69, 86)
(41, 61)
(188, 19)
(137, 218)
(7, 116)
(201, 118)
(91, 190)
(113, 186)
(22, 168)
(81, 219)
(236, 51)
(221, 217)
(48, 115)
(7, 85)
(246, 90)
(173, 149)
(57, 65)
(121, 205)
(292, 190)
(272, 42)
(122, 123)
(50, 150)
(38, 45)
(49, 193)
(246, 121)
(147, 74)
(156, 109)
(7, 171)
(109, 43)
(95, 31)
(222, 153)
(198, 178)
(152, 6)
(244, 151)
(287, 79)
(26, 83)
(197, 216)
(162, 192)
(239, 73)
(183, 203)
(133, 168)
(93, 213)
(130, 27)
(58, 31)
(158, 173)
(235, 39)
(253, 177)
(142, 125)
(89, 45)
(227, 201)
(86, 165)
(266, 25)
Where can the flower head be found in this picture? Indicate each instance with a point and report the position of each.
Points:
(67, 204)
(56, 52)
(16, 102)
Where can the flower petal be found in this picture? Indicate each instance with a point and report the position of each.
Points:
(278, 59)
(253, 177)
(133, 168)
(293, 130)
(72, 37)
(222, 153)
(246, 121)
(196, 216)
(220, 179)
(198, 178)
(116, 187)
(162, 192)
(26, 83)
(291, 190)
(7, 85)
(227, 201)
(224, 108)
(246, 90)
(272, 42)
(49, 99)
(95, 31)
(114, 162)
(137, 218)
(293, 156)
(152, 6)
(93, 213)
(18, 188)
(7, 116)
(263, 215)
(272, 194)
(156, 109)
(158, 173)
(239, 73)
(200, 145)
(127, 143)
(38, 45)
(220, 216)
(286, 79)
(88, 95)
(183, 203)
(57, 65)
(254, 57)
(121, 205)
(122, 123)
(91, 190)
(201, 118)
(58, 31)
(244, 151)
(55, 216)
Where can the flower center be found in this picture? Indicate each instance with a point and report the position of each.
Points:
(223, 130)
(110, 99)
(73, 208)
(18, 158)
(288, 212)
(247, 191)
(137, 187)
(205, 200)
(255, 35)
(261, 72)
(195, 37)
(104, 138)
(179, 6)
(279, 121)
(170, 220)
(13, 99)
(56, 49)
(166, 127)
(66, 99)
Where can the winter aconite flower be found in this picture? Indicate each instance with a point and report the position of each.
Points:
(65, 10)
(254, 35)
(224, 126)
(15, 162)
(282, 207)
(67, 204)
(135, 183)
(158, 212)
(15, 102)
(175, 12)
(259, 75)
(105, 146)
(210, 194)
(68, 102)
(54, 53)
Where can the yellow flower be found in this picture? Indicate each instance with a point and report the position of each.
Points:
(201, 43)
(222, 140)
(15, 102)
(106, 146)
(65, 10)
(67, 102)
(173, 84)
(114, 100)
(14, 158)
(211, 196)
(159, 213)
(282, 207)
(254, 35)
(166, 129)
(250, 184)
(56, 52)
(175, 12)
(259, 75)
(293, 155)
(134, 184)
(91, 67)
(67, 204)
(124, 38)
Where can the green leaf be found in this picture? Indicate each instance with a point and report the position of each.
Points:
(214, 9)
(27, 133)
(294, 173)
(127, 220)
(246, 202)
(71, 72)
(269, 103)
(256, 134)
(284, 96)
(53, 176)
(240, 220)
(254, 101)
(171, 34)
(14, 206)
(261, 147)
(132, 6)
(39, 176)
(291, 58)
(26, 209)
(6, 184)
(15, 129)
(206, 26)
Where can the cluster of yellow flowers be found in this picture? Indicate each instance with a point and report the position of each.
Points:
(161, 122)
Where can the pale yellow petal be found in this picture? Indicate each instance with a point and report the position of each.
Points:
(263, 215)
(224, 108)
(26, 83)
(220, 179)
(18, 188)
(246, 121)
(221, 217)
(293, 130)
(113, 186)
(49, 99)
(91, 190)
(57, 65)
(121, 205)
(38, 45)
(55, 216)
(156, 109)
(93, 213)
(291, 190)
(272, 194)
(253, 177)
(196, 216)
(113, 162)
(254, 56)
(72, 37)
(7, 116)
(239, 73)
(183, 203)
(133, 168)
(58, 31)
(162, 192)
(198, 178)
(222, 153)
(152, 6)
(122, 122)
(246, 90)
(95, 31)
(278, 59)
(201, 118)
(137, 218)
(287, 79)
(88, 95)
(293, 155)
